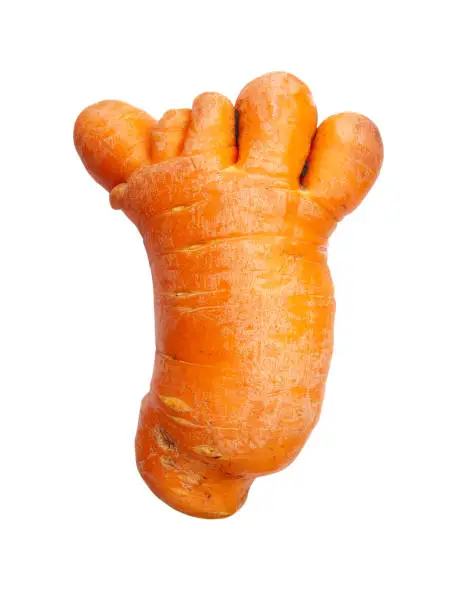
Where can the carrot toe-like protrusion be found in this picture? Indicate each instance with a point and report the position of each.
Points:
(113, 139)
(277, 120)
(194, 487)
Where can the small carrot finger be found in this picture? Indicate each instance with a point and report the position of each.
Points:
(344, 162)
(212, 128)
(169, 134)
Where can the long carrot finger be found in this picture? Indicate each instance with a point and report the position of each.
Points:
(113, 139)
(277, 120)
(344, 162)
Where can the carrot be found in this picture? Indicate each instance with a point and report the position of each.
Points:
(236, 228)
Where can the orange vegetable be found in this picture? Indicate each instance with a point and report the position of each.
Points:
(236, 229)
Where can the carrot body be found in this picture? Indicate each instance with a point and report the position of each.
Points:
(244, 302)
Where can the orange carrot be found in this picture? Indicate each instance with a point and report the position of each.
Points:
(236, 232)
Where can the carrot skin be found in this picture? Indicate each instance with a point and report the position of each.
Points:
(236, 236)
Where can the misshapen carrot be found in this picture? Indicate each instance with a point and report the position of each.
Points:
(244, 302)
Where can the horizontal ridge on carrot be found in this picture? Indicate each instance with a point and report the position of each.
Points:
(236, 231)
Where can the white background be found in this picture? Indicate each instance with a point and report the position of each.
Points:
(366, 519)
